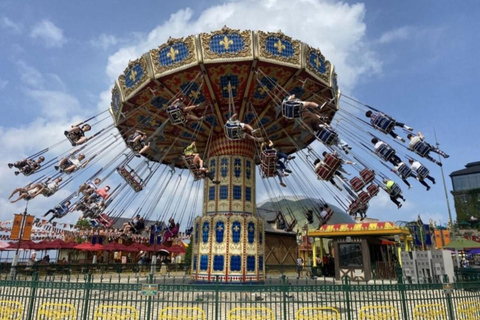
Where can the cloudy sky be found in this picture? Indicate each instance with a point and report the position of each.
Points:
(416, 60)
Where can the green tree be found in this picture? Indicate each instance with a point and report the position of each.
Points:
(188, 256)
(83, 224)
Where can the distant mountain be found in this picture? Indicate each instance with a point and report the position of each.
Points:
(297, 208)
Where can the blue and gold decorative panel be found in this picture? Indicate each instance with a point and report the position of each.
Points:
(233, 254)
(250, 263)
(236, 231)
(193, 92)
(264, 86)
(227, 44)
(218, 263)
(219, 231)
(174, 54)
(251, 232)
(134, 77)
(116, 105)
(204, 262)
(317, 64)
(224, 167)
(237, 193)
(223, 192)
(197, 228)
(298, 92)
(248, 169)
(223, 43)
(211, 193)
(277, 46)
(235, 263)
(229, 83)
(159, 102)
(248, 194)
(237, 167)
(149, 122)
(205, 231)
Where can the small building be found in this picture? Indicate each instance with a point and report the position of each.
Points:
(281, 247)
(360, 249)
(466, 193)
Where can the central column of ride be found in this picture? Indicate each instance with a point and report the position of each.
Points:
(228, 239)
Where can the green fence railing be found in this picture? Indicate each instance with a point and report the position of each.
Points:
(125, 296)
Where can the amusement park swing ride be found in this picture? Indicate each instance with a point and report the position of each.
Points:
(212, 109)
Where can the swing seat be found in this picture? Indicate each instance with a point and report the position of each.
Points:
(27, 170)
(367, 175)
(384, 124)
(175, 114)
(364, 197)
(292, 109)
(396, 190)
(136, 146)
(421, 148)
(332, 161)
(269, 163)
(194, 169)
(105, 220)
(324, 172)
(423, 172)
(385, 152)
(357, 184)
(131, 177)
(234, 130)
(373, 190)
(327, 136)
(354, 207)
(72, 137)
(404, 170)
(328, 216)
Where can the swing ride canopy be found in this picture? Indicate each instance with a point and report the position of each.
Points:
(255, 69)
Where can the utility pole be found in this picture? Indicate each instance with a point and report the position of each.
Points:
(452, 228)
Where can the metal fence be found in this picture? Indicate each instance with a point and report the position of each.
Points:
(137, 294)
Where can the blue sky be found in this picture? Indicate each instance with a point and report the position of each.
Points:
(416, 60)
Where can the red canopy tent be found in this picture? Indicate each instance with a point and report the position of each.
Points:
(139, 247)
(156, 248)
(176, 249)
(25, 245)
(55, 244)
(87, 246)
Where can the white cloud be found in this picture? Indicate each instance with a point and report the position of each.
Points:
(11, 26)
(55, 104)
(337, 29)
(48, 91)
(51, 35)
(104, 41)
(396, 34)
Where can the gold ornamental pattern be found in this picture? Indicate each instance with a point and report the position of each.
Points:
(265, 54)
(127, 92)
(159, 69)
(245, 52)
